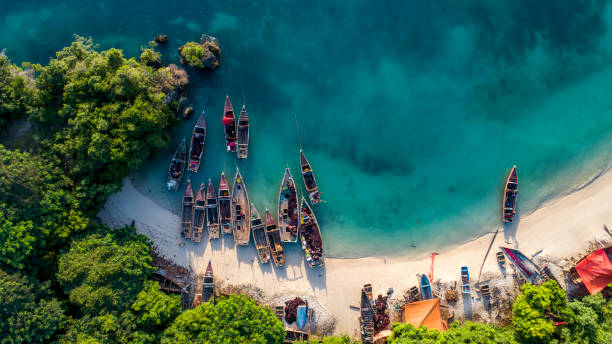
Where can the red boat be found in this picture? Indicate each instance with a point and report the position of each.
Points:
(229, 122)
(197, 144)
(510, 196)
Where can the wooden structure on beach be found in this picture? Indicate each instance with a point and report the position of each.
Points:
(225, 207)
(176, 171)
(187, 211)
(196, 150)
(366, 320)
(274, 240)
(212, 212)
(288, 211)
(199, 214)
(259, 236)
(241, 211)
(510, 196)
(243, 134)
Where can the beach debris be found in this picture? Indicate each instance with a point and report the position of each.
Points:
(366, 320)
(451, 295)
(291, 309)
(382, 314)
(279, 311)
(161, 39)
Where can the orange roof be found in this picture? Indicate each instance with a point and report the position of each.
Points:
(595, 271)
(425, 313)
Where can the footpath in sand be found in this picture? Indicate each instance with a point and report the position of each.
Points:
(561, 228)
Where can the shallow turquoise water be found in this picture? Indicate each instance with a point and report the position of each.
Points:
(411, 113)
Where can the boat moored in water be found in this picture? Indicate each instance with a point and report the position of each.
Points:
(176, 171)
(187, 211)
(288, 211)
(310, 235)
(212, 212)
(229, 123)
(225, 207)
(243, 134)
(274, 240)
(259, 236)
(199, 214)
(510, 196)
(241, 211)
(196, 150)
(310, 181)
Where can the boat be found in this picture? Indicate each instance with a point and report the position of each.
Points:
(176, 171)
(524, 265)
(225, 208)
(366, 321)
(274, 240)
(510, 196)
(310, 182)
(501, 259)
(243, 134)
(259, 236)
(310, 235)
(302, 316)
(241, 211)
(425, 287)
(187, 212)
(288, 209)
(229, 122)
(196, 150)
(465, 280)
(208, 287)
(212, 212)
(199, 214)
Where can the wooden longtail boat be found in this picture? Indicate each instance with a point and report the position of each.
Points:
(259, 236)
(196, 150)
(524, 265)
(288, 211)
(225, 208)
(274, 240)
(241, 211)
(310, 235)
(465, 280)
(229, 122)
(510, 196)
(366, 321)
(243, 134)
(425, 287)
(199, 214)
(208, 287)
(187, 212)
(310, 181)
(176, 171)
(212, 212)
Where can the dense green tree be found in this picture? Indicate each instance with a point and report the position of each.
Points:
(17, 91)
(25, 316)
(104, 273)
(192, 53)
(402, 333)
(150, 57)
(469, 332)
(589, 321)
(236, 319)
(536, 309)
(334, 340)
(154, 309)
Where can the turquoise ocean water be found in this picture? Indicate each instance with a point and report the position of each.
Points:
(411, 112)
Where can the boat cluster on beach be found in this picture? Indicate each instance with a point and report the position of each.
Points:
(230, 211)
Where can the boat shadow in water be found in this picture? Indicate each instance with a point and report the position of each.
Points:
(510, 229)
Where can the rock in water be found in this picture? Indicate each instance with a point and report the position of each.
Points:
(161, 39)
(208, 48)
(188, 112)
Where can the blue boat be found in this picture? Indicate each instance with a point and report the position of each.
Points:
(465, 280)
(302, 315)
(425, 288)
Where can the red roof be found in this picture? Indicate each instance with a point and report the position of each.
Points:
(595, 271)
(425, 313)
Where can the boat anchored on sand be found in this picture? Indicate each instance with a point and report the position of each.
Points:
(187, 211)
(288, 211)
(229, 122)
(212, 212)
(208, 287)
(425, 287)
(274, 240)
(243, 134)
(199, 215)
(310, 235)
(259, 236)
(310, 181)
(465, 279)
(225, 207)
(177, 167)
(241, 211)
(510, 196)
(196, 150)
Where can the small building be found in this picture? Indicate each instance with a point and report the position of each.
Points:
(425, 313)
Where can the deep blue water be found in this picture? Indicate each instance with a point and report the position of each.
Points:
(410, 112)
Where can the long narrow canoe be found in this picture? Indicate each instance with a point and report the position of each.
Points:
(197, 144)
(212, 212)
(187, 210)
(310, 235)
(302, 316)
(176, 171)
(274, 240)
(241, 211)
(510, 196)
(310, 182)
(225, 208)
(208, 287)
(229, 123)
(524, 265)
(199, 214)
(243, 134)
(425, 287)
(259, 236)
(288, 210)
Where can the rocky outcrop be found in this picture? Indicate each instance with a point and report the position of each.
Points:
(205, 54)
(188, 112)
(161, 39)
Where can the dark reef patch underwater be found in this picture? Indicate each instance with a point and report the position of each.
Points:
(410, 112)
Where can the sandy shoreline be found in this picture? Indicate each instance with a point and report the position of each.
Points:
(560, 228)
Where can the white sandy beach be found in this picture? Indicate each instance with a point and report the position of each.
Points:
(561, 228)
